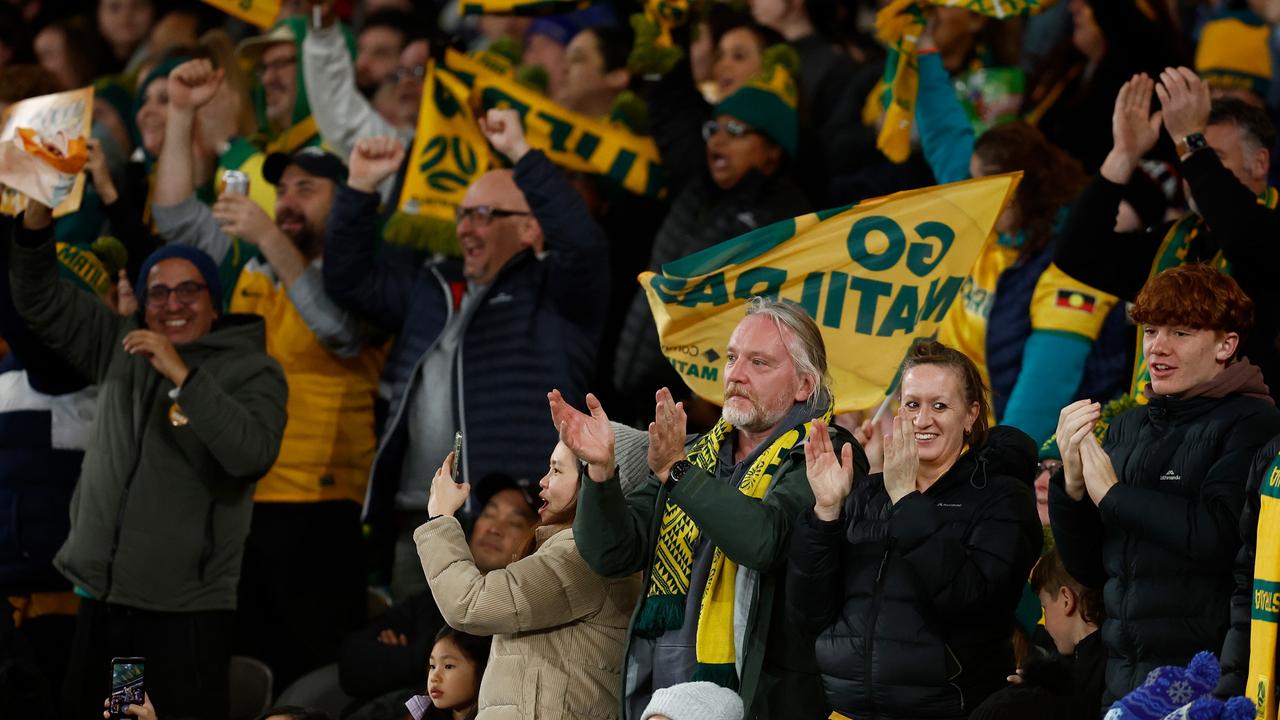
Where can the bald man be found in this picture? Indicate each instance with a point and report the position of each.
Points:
(481, 340)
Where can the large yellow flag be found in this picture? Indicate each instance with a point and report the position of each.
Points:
(262, 13)
(875, 276)
(449, 152)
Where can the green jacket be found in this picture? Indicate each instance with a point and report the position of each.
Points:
(159, 518)
(617, 536)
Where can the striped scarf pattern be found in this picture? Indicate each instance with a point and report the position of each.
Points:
(670, 575)
(1259, 684)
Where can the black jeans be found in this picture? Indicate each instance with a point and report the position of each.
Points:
(302, 585)
(187, 659)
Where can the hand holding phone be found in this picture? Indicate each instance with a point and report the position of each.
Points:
(127, 686)
(457, 456)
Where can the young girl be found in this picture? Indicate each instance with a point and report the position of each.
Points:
(453, 674)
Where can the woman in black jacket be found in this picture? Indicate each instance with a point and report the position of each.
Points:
(910, 579)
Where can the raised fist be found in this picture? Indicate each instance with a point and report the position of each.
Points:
(503, 130)
(373, 160)
(192, 84)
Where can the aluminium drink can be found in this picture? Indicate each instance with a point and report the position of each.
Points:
(234, 181)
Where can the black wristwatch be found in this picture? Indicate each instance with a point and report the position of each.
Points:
(677, 471)
(1191, 143)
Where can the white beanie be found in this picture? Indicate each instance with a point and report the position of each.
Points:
(695, 701)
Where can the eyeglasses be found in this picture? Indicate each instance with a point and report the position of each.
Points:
(734, 128)
(1050, 466)
(277, 66)
(482, 215)
(187, 292)
(417, 72)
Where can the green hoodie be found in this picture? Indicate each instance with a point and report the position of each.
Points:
(302, 131)
(160, 515)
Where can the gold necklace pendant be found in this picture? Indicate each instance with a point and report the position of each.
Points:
(176, 418)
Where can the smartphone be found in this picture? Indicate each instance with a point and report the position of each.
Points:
(457, 457)
(127, 685)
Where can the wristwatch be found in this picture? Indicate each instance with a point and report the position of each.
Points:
(677, 471)
(1191, 143)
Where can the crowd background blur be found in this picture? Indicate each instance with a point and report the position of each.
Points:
(445, 207)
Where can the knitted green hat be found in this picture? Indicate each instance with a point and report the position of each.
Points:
(768, 101)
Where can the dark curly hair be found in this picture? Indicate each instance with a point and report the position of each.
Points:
(1051, 179)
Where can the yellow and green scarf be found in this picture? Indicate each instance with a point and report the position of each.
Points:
(1266, 597)
(1173, 253)
(670, 576)
(899, 25)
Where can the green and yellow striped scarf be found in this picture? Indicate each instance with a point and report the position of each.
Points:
(1173, 253)
(670, 576)
(1259, 684)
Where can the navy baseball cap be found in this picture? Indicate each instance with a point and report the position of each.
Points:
(313, 160)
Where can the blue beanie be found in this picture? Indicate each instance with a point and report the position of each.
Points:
(205, 264)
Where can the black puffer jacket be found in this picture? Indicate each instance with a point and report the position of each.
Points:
(1162, 541)
(913, 603)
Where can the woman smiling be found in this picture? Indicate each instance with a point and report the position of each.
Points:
(910, 579)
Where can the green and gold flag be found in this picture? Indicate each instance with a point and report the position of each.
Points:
(570, 140)
(449, 153)
(874, 276)
(262, 13)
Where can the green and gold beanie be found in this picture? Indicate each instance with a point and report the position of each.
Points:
(768, 101)
(1234, 53)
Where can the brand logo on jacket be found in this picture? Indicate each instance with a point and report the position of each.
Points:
(1170, 475)
(502, 297)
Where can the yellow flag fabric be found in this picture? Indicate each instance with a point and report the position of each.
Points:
(874, 276)
(1265, 614)
(570, 140)
(899, 25)
(520, 7)
(262, 13)
(449, 152)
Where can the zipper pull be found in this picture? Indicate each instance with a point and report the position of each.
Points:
(884, 560)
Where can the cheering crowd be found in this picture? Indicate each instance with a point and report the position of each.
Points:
(324, 413)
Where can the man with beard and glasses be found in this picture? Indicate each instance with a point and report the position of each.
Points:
(714, 557)
(302, 584)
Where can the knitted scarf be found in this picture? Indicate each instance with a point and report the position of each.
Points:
(1173, 253)
(670, 576)
(1266, 597)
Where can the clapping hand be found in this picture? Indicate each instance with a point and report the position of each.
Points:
(871, 439)
(1074, 423)
(831, 478)
(1099, 474)
(590, 437)
(1134, 128)
(1185, 101)
(373, 160)
(666, 434)
(901, 458)
(503, 130)
(126, 300)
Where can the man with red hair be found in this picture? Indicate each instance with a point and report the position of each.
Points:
(1151, 514)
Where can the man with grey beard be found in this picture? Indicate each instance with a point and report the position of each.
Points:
(713, 557)
(302, 580)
